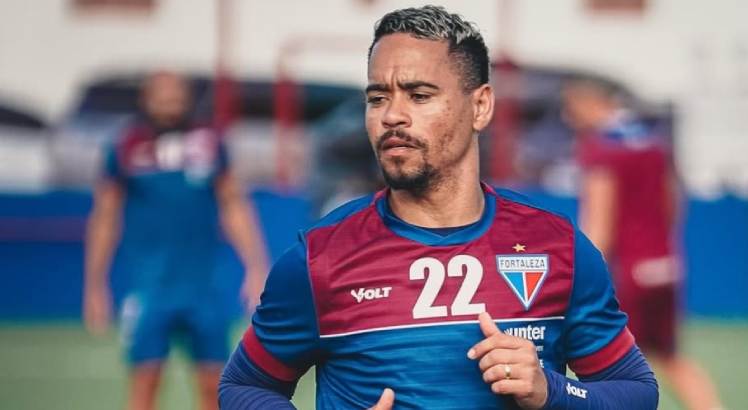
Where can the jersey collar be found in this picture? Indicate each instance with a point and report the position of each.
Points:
(426, 237)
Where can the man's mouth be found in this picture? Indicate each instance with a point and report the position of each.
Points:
(395, 142)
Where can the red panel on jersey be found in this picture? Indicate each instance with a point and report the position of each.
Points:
(265, 360)
(604, 357)
(390, 281)
(644, 206)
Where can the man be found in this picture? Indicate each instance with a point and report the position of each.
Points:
(628, 209)
(170, 178)
(439, 292)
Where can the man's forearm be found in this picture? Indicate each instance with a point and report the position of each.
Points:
(240, 225)
(246, 387)
(629, 384)
(101, 238)
(243, 233)
(102, 232)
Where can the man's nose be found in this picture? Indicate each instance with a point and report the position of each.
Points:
(396, 114)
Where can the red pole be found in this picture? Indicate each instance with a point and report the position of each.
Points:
(225, 98)
(506, 124)
(287, 113)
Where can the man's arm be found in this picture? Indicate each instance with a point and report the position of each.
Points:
(241, 226)
(102, 235)
(672, 193)
(597, 207)
(600, 349)
(510, 366)
(245, 386)
(627, 384)
(280, 345)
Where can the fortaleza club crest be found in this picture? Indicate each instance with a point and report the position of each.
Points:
(524, 274)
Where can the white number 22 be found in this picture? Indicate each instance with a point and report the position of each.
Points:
(457, 266)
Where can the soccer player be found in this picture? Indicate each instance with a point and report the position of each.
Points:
(440, 291)
(169, 178)
(628, 209)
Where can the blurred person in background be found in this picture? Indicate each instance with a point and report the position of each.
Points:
(628, 208)
(168, 179)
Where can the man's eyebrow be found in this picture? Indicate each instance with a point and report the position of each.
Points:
(377, 87)
(412, 85)
(408, 86)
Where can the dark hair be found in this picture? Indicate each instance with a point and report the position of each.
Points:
(466, 45)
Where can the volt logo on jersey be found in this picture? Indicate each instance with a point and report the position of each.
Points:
(370, 294)
(524, 274)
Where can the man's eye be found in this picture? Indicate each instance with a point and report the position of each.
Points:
(375, 99)
(420, 97)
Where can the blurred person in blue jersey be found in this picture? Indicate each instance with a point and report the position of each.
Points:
(167, 182)
(439, 292)
(628, 207)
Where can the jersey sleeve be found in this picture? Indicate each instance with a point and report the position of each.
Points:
(595, 330)
(283, 339)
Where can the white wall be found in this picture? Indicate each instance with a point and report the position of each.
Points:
(46, 50)
(692, 52)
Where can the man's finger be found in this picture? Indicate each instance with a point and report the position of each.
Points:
(386, 400)
(503, 372)
(487, 325)
(499, 356)
(514, 387)
(496, 340)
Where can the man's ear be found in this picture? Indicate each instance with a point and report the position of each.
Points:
(483, 100)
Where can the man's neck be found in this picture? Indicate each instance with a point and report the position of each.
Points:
(454, 202)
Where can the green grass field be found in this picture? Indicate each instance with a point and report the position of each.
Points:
(58, 366)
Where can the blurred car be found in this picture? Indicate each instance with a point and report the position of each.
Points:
(25, 162)
(106, 105)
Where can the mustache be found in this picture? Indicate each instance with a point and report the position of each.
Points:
(409, 139)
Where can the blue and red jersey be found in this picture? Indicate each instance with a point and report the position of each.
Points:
(641, 255)
(374, 302)
(171, 233)
(640, 167)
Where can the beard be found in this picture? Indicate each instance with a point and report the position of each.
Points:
(417, 181)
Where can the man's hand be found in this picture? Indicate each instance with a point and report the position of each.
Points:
(386, 400)
(510, 365)
(97, 310)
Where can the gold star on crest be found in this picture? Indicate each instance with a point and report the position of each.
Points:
(518, 247)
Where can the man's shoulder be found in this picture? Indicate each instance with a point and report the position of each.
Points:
(343, 212)
(530, 207)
